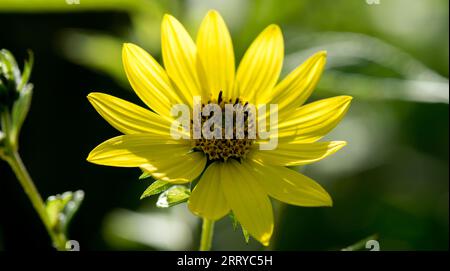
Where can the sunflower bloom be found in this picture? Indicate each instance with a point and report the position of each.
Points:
(234, 174)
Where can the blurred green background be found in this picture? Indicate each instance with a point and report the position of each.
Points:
(391, 179)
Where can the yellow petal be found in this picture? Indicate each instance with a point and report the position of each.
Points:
(215, 52)
(295, 154)
(311, 122)
(291, 187)
(180, 58)
(128, 118)
(135, 150)
(247, 200)
(177, 169)
(149, 80)
(296, 88)
(207, 199)
(261, 65)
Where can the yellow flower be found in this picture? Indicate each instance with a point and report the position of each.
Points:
(243, 179)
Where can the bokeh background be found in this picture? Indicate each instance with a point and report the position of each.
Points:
(392, 180)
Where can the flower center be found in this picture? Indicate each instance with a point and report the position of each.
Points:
(222, 149)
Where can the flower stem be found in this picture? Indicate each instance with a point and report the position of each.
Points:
(207, 234)
(14, 160)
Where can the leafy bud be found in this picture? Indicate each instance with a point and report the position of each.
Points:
(15, 98)
(12, 81)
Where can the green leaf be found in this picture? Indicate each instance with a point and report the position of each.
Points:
(26, 71)
(9, 66)
(234, 221)
(246, 234)
(61, 209)
(53, 207)
(71, 207)
(155, 188)
(145, 175)
(236, 224)
(173, 196)
(20, 110)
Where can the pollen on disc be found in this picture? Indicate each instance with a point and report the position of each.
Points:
(224, 149)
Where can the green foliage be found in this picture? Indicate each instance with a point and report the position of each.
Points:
(155, 188)
(144, 175)
(26, 71)
(9, 79)
(236, 223)
(62, 207)
(20, 110)
(15, 97)
(174, 195)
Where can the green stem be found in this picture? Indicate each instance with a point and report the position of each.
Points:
(207, 235)
(14, 160)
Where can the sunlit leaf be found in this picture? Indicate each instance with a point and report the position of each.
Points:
(175, 195)
(53, 207)
(155, 188)
(9, 66)
(26, 71)
(62, 207)
(144, 175)
(20, 110)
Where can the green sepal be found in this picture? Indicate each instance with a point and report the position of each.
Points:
(246, 234)
(236, 223)
(174, 195)
(9, 79)
(145, 175)
(155, 188)
(20, 110)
